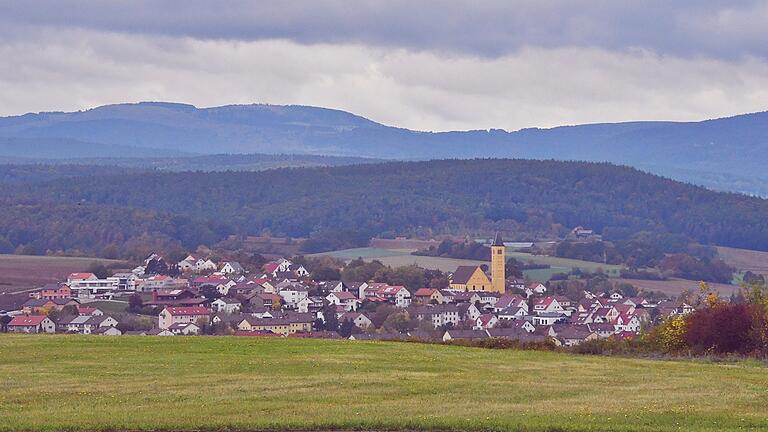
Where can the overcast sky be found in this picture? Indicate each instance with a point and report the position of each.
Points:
(429, 65)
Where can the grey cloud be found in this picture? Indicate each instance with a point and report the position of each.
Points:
(485, 28)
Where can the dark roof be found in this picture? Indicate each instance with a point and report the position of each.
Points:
(463, 273)
(497, 241)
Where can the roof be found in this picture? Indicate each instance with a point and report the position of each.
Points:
(27, 320)
(497, 241)
(463, 273)
(81, 275)
(190, 310)
(467, 334)
(424, 292)
(344, 295)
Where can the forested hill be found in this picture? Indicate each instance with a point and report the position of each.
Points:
(725, 154)
(130, 212)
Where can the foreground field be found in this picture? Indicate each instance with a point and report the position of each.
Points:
(131, 383)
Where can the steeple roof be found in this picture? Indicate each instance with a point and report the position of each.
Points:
(497, 241)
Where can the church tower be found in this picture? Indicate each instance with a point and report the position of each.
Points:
(498, 265)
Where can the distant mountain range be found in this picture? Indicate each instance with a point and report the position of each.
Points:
(725, 154)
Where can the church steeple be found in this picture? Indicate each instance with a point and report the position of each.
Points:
(498, 264)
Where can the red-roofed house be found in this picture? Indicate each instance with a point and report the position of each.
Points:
(175, 315)
(485, 321)
(546, 305)
(31, 324)
(428, 295)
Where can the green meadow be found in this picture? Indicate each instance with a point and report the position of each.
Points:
(97, 383)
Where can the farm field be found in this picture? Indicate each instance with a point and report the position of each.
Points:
(23, 272)
(231, 383)
(674, 287)
(401, 257)
(744, 259)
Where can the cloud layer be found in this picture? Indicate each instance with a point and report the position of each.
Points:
(428, 66)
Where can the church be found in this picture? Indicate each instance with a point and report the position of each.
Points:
(473, 278)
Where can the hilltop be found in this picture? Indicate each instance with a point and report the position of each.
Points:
(724, 154)
(350, 204)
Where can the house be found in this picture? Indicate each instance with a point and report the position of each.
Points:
(428, 295)
(547, 304)
(454, 334)
(627, 323)
(512, 313)
(159, 332)
(184, 329)
(548, 318)
(439, 315)
(232, 267)
(535, 288)
(343, 298)
(107, 331)
(160, 282)
(174, 314)
(226, 305)
(82, 310)
(470, 278)
(126, 281)
(177, 297)
(572, 335)
(204, 266)
(510, 301)
(294, 323)
(31, 324)
(52, 291)
(519, 325)
(358, 319)
(485, 321)
(87, 285)
(291, 295)
(86, 324)
(397, 295)
(43, 306)
(327, 287)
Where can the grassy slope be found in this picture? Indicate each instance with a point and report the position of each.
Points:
(96, 383)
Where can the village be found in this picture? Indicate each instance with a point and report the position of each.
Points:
(199, 296)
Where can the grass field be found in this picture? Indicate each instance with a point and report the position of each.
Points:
(95, 383)
(22, 272)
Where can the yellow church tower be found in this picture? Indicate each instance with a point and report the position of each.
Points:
(498, 265)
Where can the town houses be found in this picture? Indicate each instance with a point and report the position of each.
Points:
(200, 295)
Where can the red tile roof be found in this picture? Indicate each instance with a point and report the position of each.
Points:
(190, 310)
(78, 276)
(27, 320)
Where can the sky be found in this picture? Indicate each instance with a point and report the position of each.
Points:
(425, 65)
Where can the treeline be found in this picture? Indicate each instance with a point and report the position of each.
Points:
(460, 250)
(524, 199)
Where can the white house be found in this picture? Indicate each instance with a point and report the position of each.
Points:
(184, 329)
(358, 319)
(232, 267)
(547, 304)
(226, 305)
(31, 324)
(343, 298)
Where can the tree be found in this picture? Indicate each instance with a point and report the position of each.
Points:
(135, 302)
(210, 292)
(346, 328)
(514, 268)
(330, 321)
(100, 270)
